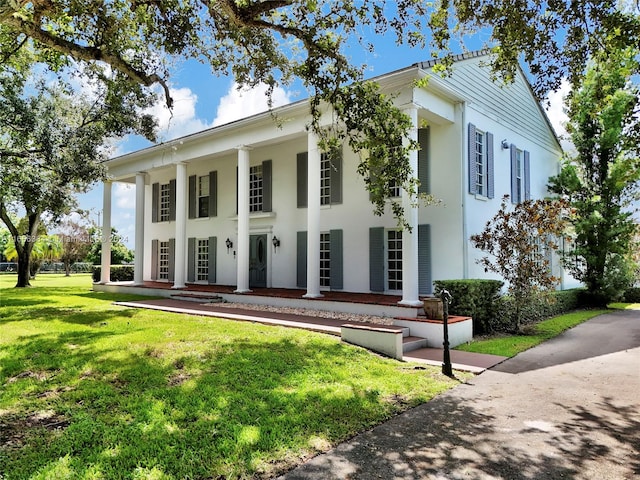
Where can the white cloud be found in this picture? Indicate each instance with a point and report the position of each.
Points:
(125, 195)
(557, 115)
(244, 102)
(181, 120)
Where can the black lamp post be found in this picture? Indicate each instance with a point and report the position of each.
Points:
(446, 365)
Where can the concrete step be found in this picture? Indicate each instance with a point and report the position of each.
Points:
(412, 343)
(198, 297)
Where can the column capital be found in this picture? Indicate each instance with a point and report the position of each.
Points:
(244, 148)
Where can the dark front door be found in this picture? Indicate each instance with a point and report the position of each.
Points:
(257, 261)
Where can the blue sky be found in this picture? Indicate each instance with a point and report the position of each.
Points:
(203, 100)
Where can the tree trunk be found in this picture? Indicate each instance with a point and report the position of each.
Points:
(67, 269)
(24, 270)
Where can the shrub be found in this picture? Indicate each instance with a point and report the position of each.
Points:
(475, 298)
(542, 306)
(119, 273)
(632, 295)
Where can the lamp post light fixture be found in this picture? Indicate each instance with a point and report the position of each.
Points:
(229, 244)
(446, 365)
(276, 242)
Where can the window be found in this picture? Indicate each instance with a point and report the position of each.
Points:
(325, 180)
(480, 165)
(394, 190)
(163, 261)
(255, 189)
(203, 196)
(202, 260)
(394, 260)
(519, 175)
(325, 260)
(164, 202)
(480, 162)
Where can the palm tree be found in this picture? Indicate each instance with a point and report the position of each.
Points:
(46, 248)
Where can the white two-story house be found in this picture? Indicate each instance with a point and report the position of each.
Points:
(254, 203)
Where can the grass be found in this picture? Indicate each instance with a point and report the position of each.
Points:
(510, 345)
(95, 391)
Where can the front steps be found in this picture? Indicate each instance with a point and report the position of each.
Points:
(391, 340)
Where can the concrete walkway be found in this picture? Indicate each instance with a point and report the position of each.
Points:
(567, 409)
(465, 361)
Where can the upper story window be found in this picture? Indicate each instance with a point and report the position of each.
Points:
(520, 175)
(203, 196)
(255, 189)
(325, 180)
(480, 159)
(164, 202)
(480, 162)
(330, 179)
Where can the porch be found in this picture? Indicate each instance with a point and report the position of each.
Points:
(371, 304)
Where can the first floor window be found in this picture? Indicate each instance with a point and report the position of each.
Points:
(202, 260)
(163, 261)
(325, 260)
(394, 260)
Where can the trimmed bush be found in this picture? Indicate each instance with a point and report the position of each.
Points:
(543, 306)
(632, 295)
(119, 273)
(475, 298)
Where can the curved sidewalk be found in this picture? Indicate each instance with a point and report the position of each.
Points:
(568, 408)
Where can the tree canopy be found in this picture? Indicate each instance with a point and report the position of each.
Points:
(275, 41)
(601, 179)
(52, 145)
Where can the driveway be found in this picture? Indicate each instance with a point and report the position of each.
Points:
(567, 409)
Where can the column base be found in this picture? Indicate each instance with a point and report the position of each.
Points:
(410, 303)
(178, 287)
(243, 290)
(312, 295)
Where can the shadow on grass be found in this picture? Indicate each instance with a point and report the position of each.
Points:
(235, 409)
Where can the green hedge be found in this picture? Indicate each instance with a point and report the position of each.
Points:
(545, 305)
(119, 273)
(476, 298)
(632, 295)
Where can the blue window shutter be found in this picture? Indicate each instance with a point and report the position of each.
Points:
(213, 251)
(155, 202)
(335, 255)
(301, 173)
(193, 198)
(172, 259)
(191, 259)
(213, 194)
(172, 200)
(425, 282)
(514, 174)
(376, 259)
(335, 177)
(473, 175)
(301, 260)
(490, 182)
(267, 185)
(527, 176)
(423, 161)
(154, 259)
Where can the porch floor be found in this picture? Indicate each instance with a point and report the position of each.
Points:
(331, 296)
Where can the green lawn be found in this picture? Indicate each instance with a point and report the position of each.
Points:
(95, 391)
(510, 345)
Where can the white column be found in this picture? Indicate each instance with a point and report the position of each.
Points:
(410, 288)
(181, 226)
(242, 248)
(105, 269)
(313, 217)
(138, 265)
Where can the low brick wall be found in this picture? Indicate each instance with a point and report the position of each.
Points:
(382, 339)
(460, 330)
